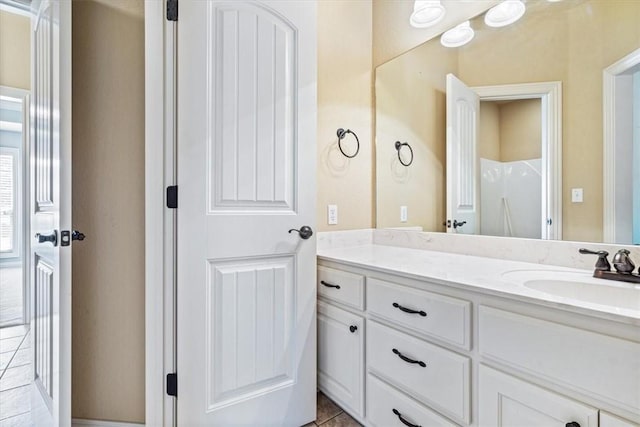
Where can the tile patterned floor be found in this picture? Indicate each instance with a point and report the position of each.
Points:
(331, 415)
(15, 377)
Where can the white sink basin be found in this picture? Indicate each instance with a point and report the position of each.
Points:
(578, 286)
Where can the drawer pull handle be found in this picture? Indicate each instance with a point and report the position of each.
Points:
(572, 424)
(353, 328)
(408, 310)
(329, 285)
(405, 422)
(406, 359)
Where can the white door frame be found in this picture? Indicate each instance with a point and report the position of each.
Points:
(610, 83)
(550, 94)
(160, 171)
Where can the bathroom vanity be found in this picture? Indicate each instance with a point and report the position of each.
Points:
(423, 338)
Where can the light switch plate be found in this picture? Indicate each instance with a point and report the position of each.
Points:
(576, 195)
(404, 214)
(332, 214)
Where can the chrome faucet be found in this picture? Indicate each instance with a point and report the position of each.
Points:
(621, 262)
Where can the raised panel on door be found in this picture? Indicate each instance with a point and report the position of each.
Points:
(506, 401)
(341, 357)
(246, 173)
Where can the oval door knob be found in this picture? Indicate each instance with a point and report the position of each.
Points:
(353, 328)
(305, 232)
(572, 424)
(53, 238)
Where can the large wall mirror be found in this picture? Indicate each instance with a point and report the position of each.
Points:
(529, 130)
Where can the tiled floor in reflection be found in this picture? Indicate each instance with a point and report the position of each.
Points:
(331, 415)
(15, 377)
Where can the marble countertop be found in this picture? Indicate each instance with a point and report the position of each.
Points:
(487, 275)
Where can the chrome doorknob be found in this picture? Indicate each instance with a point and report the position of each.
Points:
(305, 232)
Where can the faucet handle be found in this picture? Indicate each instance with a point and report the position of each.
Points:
(622, 262)
(603, 263)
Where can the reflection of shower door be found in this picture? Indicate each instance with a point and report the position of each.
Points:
(463, 106)
(50, 209)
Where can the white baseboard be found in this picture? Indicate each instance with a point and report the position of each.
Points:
(77, 422)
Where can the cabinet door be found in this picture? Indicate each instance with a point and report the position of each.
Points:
(341, 357)
(505, 401)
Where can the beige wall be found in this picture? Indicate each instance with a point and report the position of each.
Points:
(345, 101)
(520, 130)
(572, 47)
(510, 131)
(15, 50)
(489, 131)
(423, 111)
(392, 35)
(108, 206)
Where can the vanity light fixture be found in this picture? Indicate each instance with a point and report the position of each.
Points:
(458, 36)
(426, 13)
(506, 13)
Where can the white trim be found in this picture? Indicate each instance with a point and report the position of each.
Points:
(550, 94)
(78, 422)
(159, 221)
(609, 141)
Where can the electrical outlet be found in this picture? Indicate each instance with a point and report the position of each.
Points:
(576, 195)
(332, 214)
(404, 214)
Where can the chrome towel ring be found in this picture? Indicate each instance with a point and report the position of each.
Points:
(341, 134)
(399, 146)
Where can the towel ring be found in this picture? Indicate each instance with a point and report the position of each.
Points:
(399, 147)
(341, 134)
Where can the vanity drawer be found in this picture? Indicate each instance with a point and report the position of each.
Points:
(564, 355)
(445, 318)
(383, 399)
(441, 379)
(341, 286)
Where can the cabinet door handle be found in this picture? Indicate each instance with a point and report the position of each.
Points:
(353, 328)
(405, 422)
(572, 424)
(408, 310)
(329, 285)
(406, 359)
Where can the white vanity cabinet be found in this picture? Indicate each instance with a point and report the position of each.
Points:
(341, 333)
(433, 354)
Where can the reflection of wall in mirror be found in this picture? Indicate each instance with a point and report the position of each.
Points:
(15, 48)
(572, 46)
(412, 87)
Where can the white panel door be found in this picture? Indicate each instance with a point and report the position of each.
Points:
(463, 107)
(505, 401)
(50, 207)
(246, 176)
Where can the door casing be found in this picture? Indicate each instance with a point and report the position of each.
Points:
(160, 222)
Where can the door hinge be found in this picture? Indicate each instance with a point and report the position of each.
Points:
(172, 384)
(172, 10)
(172, 196)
